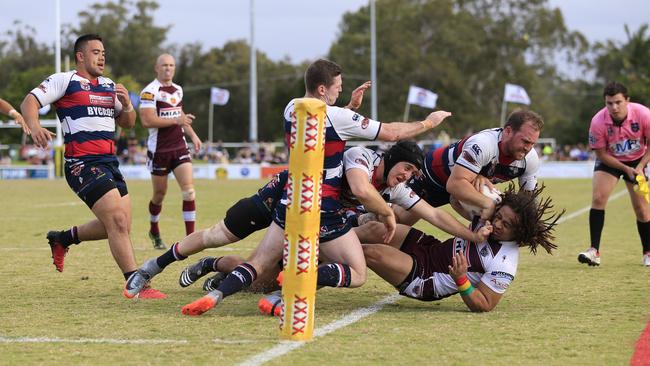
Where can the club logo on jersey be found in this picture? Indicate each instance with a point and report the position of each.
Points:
(84, 85)
(592, 139)
(610, 131)
(361, 162)
(476, 149)
(147, 96)
(365, 123)
(635, 126)
(470, 159)
(103, 100)
(173, 100)
(484, 252)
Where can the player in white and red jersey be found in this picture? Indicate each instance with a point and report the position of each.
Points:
(425, 268)
(88, 106)
(619, 136)
(339, 244)
(498, 154)
(161, 111)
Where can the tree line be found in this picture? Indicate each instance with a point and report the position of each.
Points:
(463, 50)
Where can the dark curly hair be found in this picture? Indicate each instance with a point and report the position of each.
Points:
(536, 225)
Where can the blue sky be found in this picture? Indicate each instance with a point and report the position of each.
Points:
(291, 27)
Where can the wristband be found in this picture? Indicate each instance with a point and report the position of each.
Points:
(467, 291)
(11, 113)
(128, 110)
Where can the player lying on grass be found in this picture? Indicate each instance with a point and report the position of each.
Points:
(369, 174)
(425, 268)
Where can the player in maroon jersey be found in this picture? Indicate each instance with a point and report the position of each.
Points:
(161, 111)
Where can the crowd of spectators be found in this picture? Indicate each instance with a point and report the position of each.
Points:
(133, 151)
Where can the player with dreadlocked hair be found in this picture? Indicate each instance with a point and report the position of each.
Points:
(425, 268)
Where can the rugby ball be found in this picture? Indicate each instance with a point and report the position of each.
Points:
(473, 210)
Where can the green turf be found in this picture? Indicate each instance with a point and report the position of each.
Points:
(556, 312)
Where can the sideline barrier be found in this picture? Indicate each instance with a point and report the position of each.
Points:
(549, 169)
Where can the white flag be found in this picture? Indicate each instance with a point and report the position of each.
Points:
(422, 97)
(219, 96)
(516, 94)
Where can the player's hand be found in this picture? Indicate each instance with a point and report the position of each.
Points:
(484, 232)
(459, 265)
(21, 121)
(390, 224)
(436, 118)
(123, 96)
(197, 143)
(42, 136)
(480, 181)
(487, 212)
(185, 119)
(357, 95)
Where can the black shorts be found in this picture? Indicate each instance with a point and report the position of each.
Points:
(600, 166)
(92, 180)
(163, 163)
(332, 224)
(246, 217)
(428, 190)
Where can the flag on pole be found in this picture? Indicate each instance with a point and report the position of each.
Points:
(515, 94)
(219, 96)
(422, 97)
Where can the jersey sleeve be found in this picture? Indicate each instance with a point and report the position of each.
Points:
(52, 89)
(350, 125)
(357, 158)
(528, 181)
(402, 195)
(148, 98)
(477, 152)
(644, 117)
(501, 273)
(597, 132)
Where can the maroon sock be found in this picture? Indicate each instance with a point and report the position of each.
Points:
(189, 215)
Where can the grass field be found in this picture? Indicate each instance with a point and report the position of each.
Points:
(557, 312)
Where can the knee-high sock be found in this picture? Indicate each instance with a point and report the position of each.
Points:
(334, 275)
(596, 223)
(154, 217)
(189, 215)
(644, 234)
(170, 256)
(241, 277)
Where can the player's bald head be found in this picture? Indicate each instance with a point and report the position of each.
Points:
(165, 58)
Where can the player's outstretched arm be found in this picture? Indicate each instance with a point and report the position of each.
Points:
(443, 220)
(40, 135)
(479, 299)
(396, 131)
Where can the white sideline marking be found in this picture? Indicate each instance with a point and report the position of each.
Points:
(90, 340)
(587, 208)
(287, 346)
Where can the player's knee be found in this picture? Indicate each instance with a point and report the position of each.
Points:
(119, 221)
(188, 194)
(217, 236)
(371, 253)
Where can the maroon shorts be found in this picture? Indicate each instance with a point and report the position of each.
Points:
(163, 163)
